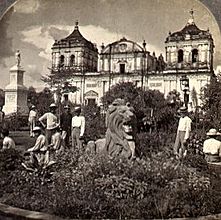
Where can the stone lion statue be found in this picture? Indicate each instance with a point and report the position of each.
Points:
(119, 140)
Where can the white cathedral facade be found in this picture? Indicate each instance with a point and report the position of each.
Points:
(189, 53)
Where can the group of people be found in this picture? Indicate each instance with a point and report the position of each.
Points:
(211, 146)
(52, 133)
(67, 125)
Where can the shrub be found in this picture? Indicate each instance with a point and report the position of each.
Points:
(10, 161)
(16, 121)
(87, 186)
(150, 144)
(112, 188)
(95, 124)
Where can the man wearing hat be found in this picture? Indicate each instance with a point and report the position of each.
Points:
(50, 118)
(78, 128)
(39, 149)
(65, 121)
(32, 119)
(212, 147)
(183, 133)
(57, 142)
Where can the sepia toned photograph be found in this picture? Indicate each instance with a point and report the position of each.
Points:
(110, 109)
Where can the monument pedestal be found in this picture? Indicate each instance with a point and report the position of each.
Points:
(16, 93)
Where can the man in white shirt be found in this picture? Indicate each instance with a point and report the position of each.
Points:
(212, 147)
(51, 119)
(78, 128)
(32, 119)
(39, 151)
(183, 133)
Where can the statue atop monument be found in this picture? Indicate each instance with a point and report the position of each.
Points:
(18, 58)
(15, 91)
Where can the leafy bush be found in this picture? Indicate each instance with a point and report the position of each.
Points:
(211, 103)
(10, 161)
(95, 124)
(86, 186)
(144, 102)
(150, 144)
(16, 121)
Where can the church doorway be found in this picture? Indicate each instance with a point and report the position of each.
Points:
(91, 101)
(91, 98)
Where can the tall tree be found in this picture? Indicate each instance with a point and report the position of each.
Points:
(211, 102)
(60, 82)
(146, 103)
(32, 95)
(2, 97)
(44, 99)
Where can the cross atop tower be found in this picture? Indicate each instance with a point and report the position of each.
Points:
(191, 12)
(76, 25)
(191, 19)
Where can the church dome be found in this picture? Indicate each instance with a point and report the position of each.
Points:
(122, 46)
(189, 32)
(74, 39)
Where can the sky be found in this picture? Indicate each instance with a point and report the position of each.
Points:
(33, 25)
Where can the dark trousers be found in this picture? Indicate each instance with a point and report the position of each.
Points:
(48, 135)
(67, 138)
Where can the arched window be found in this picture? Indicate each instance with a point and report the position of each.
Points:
(122, 67)
(194, 55)
(180, 56)
(72, 60)
(61, 60)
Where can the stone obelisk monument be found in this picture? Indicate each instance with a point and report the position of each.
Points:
(16, 92)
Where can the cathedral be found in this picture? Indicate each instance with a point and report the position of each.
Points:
(188, 54)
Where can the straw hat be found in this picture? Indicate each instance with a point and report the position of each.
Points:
(213, 132)
(33, 107)
(36, 129)
(183, 109)
(77, 109)
(53, 105)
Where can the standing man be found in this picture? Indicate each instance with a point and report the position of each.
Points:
(183, 133)
(78, 128)
(65, 122)
(32, 119)
(50, 118)
(2, 117)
